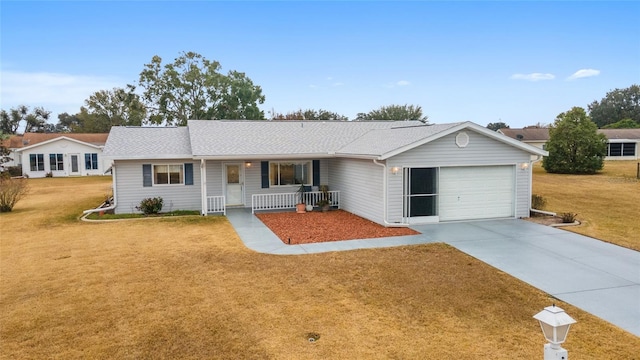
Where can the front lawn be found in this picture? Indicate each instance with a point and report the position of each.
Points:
(187, 288)
(607, 204)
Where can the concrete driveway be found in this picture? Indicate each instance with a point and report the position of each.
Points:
(598, 277)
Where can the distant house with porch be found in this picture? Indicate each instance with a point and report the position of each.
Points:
(58, 154)
(622, 144)
(389, 172)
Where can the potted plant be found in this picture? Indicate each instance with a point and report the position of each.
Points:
(324, 202)
(301, 206)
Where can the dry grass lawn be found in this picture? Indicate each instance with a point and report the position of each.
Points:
(187, 288)
(607, 204)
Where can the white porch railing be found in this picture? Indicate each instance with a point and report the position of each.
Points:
(216, 204)
(281, 201)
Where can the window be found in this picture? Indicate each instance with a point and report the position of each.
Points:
(168, 174)
(621, 149)
(290, 173)
(628, 149)
(91, 161)
(37, 162)
(56, 162)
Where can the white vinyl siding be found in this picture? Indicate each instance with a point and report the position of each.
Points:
(360, 185)
(130, 190)
(443, 153)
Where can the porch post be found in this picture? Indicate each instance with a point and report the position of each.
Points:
(203, 186)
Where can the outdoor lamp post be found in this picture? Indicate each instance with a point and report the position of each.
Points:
(555, 325)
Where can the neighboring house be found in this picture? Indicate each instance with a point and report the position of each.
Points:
(61, 154)
(389, 172)
(622, 144)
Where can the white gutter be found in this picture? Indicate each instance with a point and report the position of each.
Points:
(112, 206)
(531, 186)
(384, 196)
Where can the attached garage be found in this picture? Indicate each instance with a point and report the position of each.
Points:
(476, 192)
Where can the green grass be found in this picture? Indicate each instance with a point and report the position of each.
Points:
(97, 216)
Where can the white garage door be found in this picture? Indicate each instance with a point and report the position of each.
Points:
(480, 192)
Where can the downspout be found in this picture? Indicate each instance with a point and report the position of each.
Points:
(203, 187)
(531, 187)
(115, 201)
(384, 196)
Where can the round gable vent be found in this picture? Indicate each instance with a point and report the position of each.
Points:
(462, 139)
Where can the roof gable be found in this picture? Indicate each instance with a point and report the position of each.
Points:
(58, 139)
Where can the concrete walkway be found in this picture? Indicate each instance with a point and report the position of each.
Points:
(598, 277)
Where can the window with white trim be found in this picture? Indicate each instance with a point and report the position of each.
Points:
(171, 174)
(290, 173)
(36, 162)
(91, 161)
(56, 162)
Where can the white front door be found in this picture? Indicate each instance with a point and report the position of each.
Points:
(233, 184)
(74, 166)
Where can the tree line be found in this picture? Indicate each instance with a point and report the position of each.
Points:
(191, 87)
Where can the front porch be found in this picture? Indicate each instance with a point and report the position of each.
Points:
(275, 201)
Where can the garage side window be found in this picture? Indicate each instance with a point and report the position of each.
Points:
(420, 192)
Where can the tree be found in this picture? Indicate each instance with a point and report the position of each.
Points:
(33, 121)
(623, 124)
(4, 150)
(394, 112)
(574, 145)
(308, 114)
(192, 88)
(67, 123)
(497, 126)
(617, 105)
(104, 109)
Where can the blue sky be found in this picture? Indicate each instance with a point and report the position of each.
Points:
(518, 62)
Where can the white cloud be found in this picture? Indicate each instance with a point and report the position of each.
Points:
(403, 83)
(54, 91)
(313, 86)
(533, 76)
(584, 73)
(337, 84)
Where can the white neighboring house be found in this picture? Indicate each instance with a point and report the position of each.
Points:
(622, 144)
(392, 173)
(63, 155)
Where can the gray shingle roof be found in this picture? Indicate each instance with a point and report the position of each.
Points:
(383, 141)
(148, 143)
(271, 138)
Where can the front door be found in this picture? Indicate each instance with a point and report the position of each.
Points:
(234, 182)
(75, 165)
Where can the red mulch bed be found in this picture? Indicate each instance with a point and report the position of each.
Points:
(335, 225)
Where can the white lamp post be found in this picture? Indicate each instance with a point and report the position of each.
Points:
(555, 325)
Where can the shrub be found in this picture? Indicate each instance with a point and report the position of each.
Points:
(15, 170)
(11, 191)
(150, 205)
(538, 202)
(49, 174)
(568, 217)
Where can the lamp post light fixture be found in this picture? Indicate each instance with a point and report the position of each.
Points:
(555, 325)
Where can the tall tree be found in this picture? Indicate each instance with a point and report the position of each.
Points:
(617, 105)
(394, 112)
(497, 126)
(67, 123)
(309, 114)
(574, 145)
(15, 118)
(192, 88)
(104, 109)
(623, 124)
